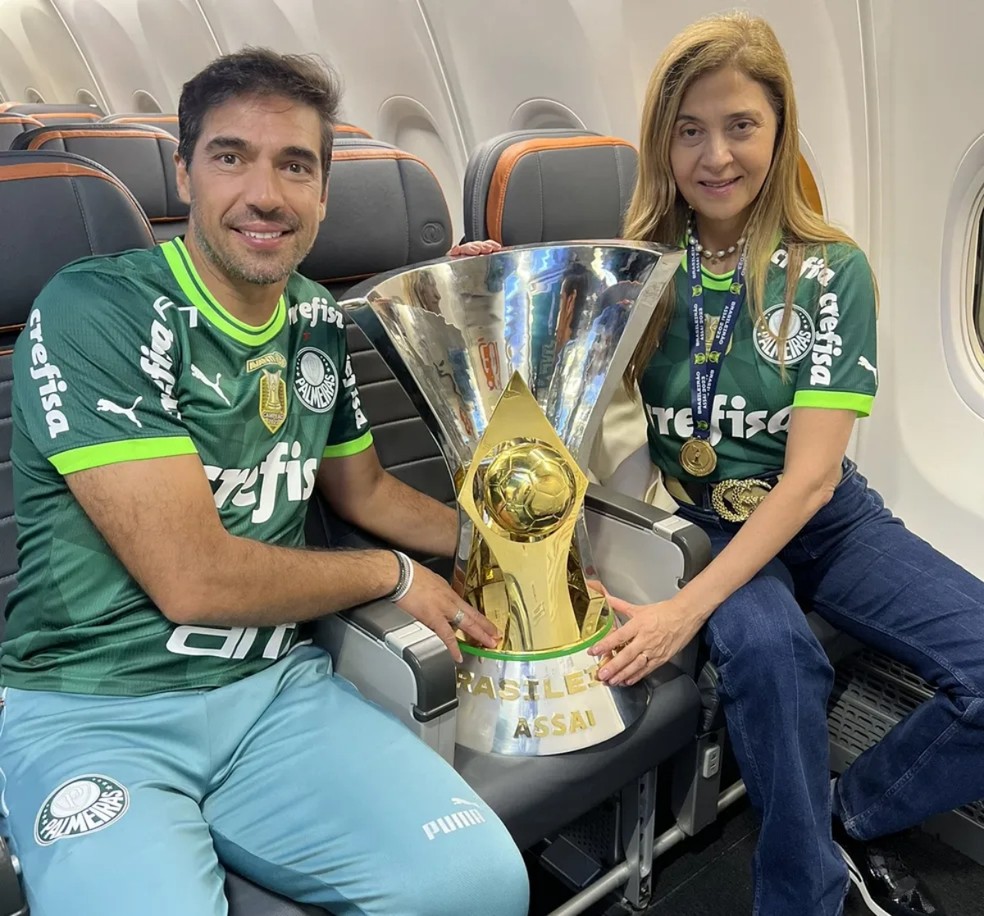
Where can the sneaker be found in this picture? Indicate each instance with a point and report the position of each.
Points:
(886, 884)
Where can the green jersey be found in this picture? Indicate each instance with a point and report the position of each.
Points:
(130, 357)
(830, 361)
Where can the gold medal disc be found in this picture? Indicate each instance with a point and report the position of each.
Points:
(697, 457)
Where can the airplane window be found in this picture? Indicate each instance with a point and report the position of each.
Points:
(810, 185)
(145, 103)
(540, 114)
(33, 96)
(977, 303)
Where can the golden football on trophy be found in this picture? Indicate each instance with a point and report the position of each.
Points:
(527, 489)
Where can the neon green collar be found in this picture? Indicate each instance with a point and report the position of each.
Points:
(194, 288)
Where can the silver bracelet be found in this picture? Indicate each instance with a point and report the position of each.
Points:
(406, 577)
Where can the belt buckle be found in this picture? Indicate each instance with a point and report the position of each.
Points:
(736, 500)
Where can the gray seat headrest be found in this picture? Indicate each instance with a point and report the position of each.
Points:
(168, 122)
(142, 157)
(62, 207)
(12, 126)
(54, 112)
(533, 186)
(385, 210)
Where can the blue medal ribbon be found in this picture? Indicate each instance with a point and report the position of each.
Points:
(705, 363)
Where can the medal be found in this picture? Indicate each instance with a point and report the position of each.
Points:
(697, 457)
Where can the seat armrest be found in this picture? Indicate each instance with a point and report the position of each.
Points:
(690, 540)
(397, 663)
(643, 554)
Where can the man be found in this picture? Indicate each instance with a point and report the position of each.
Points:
(163, 709)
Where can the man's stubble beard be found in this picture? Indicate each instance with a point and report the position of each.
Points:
(238, 270)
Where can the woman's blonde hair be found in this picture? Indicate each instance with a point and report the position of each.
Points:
(658, 213)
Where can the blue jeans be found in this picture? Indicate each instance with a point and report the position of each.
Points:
(858, 567)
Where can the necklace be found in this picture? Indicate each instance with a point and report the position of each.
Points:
(707, 252)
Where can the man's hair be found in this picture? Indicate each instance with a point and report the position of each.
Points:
(259, 71)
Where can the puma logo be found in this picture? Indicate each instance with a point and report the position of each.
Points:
(864, 364)
(109, 407)
(205, 380)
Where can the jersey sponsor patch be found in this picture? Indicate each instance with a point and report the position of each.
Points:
(799, 336)
(82, 805)
(52, 384)
(315, 379)
(828, 346)
(156, 356)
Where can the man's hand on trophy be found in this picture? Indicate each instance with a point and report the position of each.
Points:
(652, 636)
(470, 249)
(436, 605)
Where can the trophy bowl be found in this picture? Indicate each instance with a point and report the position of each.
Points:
(511, 359)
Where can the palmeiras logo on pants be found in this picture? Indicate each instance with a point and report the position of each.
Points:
(83, 804)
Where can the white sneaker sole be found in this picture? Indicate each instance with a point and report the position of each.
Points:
(858, 881)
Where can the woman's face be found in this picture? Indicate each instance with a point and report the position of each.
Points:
(722, 145)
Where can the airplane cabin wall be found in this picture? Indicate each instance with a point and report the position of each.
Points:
(924, 445)
(39, 57)
(887, 103)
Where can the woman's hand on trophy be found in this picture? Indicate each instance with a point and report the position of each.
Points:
(436, 605)
(653, 634)
(466, 249)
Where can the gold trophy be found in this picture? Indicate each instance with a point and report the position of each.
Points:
(511, 358)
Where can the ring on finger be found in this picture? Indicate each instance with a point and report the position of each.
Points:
(644, 656)
(457, 619)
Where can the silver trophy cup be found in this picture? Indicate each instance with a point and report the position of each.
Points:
(511, 359)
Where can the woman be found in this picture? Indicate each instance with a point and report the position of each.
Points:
(753, 372)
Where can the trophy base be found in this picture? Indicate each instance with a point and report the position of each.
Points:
(540, 703)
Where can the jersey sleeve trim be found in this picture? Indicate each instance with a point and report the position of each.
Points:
(345, 449)
(838, 400)
(95, 456)
(198, 295)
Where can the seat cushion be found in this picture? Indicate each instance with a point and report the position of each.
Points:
(534, 796)
(246, 899)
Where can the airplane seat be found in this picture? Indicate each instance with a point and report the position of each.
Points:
(548, 185)
(386, 211)
(343, 131)
(140, 156)
(54, 112)
(12, 125)
(168, 122)
(67, 208)
(536, 796)
(530, 186)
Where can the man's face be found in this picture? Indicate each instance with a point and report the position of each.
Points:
(255, 187)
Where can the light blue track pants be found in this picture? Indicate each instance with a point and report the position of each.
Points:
(289, 777)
